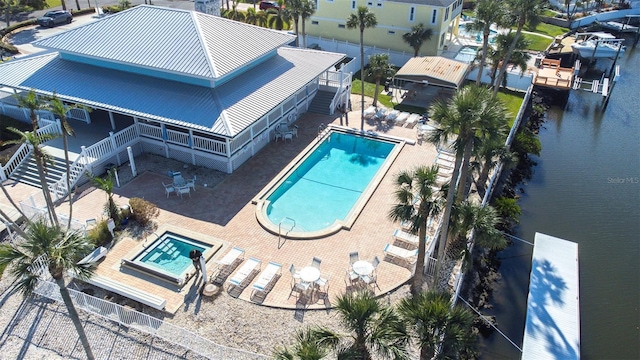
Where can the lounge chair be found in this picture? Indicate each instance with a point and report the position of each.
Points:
(409, 256)
(402, 117)
(406, 237)
(242, 275)
(412, 120)
(380, 115)
(369, 112)
(226, 265)
(392, 116)
(264, 282)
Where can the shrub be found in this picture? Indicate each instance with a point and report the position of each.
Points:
(99, 234)
(143, 211)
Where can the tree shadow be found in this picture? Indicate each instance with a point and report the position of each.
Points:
(547, 289)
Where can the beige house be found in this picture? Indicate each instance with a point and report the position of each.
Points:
(395, 18)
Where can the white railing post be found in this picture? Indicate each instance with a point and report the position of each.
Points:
(114, 145)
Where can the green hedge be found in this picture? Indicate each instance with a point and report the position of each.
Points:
(6, 47)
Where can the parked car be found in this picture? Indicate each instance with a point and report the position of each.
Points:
(57, 17)
(266, 5)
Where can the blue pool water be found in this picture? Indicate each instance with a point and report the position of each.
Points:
(170, 253)
(476, 35)
(326, 185)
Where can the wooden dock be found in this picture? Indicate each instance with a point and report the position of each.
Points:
(551, 75)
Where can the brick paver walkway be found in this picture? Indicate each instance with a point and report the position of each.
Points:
(226, 212)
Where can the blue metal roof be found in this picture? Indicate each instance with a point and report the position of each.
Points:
(169, 40)
(225, 110)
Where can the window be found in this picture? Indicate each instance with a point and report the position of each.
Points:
(379, 5)
(341, 26)
(314, 23)
(391, 32)
(353, 5)
(433, 17)
(442, 39)
(412, 13)
(369, 3)
(446, 14)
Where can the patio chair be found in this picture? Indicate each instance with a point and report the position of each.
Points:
(372, 279)
(299, 287)
(392, 116)
(264, 283)
(191, 183)
(412, 120)
(241, 276)
(168, 189)
(183, 190)
(381, 114)
(352, 278)
(353, 257)
(295, 274)
(401, 118)
(178, 180)
(316, 262)
(323, 284)
(403, 254)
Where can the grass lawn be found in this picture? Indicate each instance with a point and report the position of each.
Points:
(512, 101)
(56, 3)
(549, 30)
(537, 43)
(369, 90)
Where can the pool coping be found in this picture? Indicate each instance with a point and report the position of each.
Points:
(261, 203)
(128, 261)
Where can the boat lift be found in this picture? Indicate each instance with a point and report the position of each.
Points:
(602, 86)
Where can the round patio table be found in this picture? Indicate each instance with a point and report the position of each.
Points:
(362, 267)
(309, 274)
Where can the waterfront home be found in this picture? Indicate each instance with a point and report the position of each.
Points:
(189, 86)
(395, 18)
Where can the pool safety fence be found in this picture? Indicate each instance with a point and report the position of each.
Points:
(145, 323)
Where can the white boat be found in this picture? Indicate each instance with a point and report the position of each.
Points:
(597, 45)
(618, 26)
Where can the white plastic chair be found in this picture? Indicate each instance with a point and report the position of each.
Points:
(353, 257)
(168, 189)
(192, 183)
(316, 262)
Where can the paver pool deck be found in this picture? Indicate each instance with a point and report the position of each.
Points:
(226, 212)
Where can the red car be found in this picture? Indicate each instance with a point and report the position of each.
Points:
(266, 5)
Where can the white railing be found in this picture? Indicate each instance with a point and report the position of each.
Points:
(79, 114)
(154, 132)
(145, 323)
(178, 137)
(18, 157)
(210, 145)
(126, 137)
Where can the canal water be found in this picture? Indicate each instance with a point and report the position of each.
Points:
(585, 188)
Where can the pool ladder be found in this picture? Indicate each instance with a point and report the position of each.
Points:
(287, 231)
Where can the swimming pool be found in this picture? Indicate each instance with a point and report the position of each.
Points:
(167, 257)
(462, 32)
(324, 190)
(467, 54)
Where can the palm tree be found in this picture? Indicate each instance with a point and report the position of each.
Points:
(308, 346)
(374, 329)
(280, 19)
(520, 12)
(379, 67)
(437, 325)
(488, 156)
(42, 158)
(106, 184)
(262, 18)
(416, 187)
(483, 220)
(32, 102)
(519, 57)
(469, 117)
(293, 8)
(59, 109)
(308, 8)
(61, 250)
(487, 12)
(507, 208)
(235, 14)
(362, 19)
(251, 16)
(417, 36)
